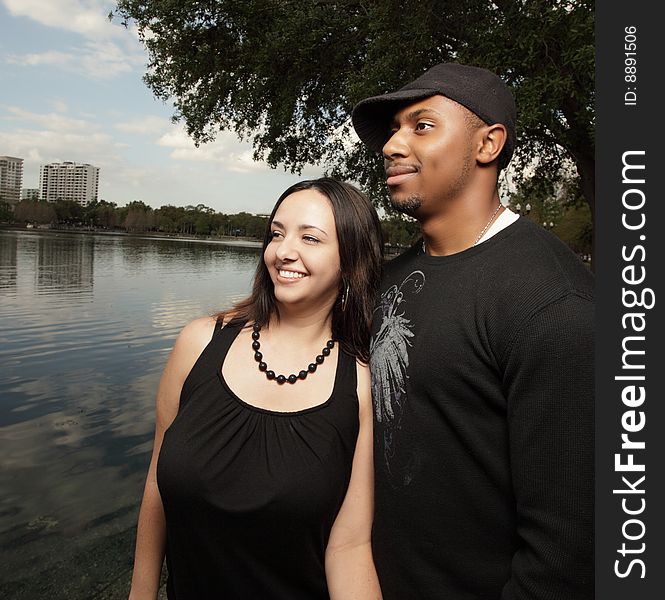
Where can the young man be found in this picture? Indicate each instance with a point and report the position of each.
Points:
(481, 363)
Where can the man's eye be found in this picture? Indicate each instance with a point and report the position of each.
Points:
(422, 126)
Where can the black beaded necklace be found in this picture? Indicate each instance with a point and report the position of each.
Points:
(270, 375)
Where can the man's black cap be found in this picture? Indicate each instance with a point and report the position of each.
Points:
(479, 90)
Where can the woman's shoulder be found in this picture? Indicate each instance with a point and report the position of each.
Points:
(198, 330)
(363, 373)
(193, 338)
(190, 343)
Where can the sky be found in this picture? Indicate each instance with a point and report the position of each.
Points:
(71, 90)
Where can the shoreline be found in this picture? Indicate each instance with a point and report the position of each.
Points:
(238, 242)
(244, 242)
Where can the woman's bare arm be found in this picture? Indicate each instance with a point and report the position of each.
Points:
(151, 531)
(349, 564)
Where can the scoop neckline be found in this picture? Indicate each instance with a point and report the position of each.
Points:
(279, 413)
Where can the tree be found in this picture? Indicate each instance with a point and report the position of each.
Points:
(34, 211)
(139, 217)
(400, 231)
(6, 213)
(68, 211)
(558, 206)
(550, 65)
(168, 218)
(220, 223)
(105, 214)
(202, 225)
(286, 74)
(247, 225)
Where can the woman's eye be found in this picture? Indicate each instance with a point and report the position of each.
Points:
(275, 234)
(310, 239)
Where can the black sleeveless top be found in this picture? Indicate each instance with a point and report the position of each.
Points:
(250, 495)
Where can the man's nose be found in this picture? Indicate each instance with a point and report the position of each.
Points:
(396, 144)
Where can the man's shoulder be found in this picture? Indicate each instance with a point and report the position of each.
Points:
(404, 261)
(530, 276)
(521, 262)
(529, 257)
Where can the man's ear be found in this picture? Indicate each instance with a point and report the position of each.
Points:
(491, 143)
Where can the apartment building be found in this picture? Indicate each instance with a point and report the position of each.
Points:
(69, 181)
(11, 179)
(30, 194)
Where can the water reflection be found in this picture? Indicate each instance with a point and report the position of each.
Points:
(86, 323)
(8, 253)
(64, 264)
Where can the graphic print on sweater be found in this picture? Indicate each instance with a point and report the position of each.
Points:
(389, 367)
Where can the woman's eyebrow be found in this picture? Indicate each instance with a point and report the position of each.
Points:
(301, 227)
(313, 227)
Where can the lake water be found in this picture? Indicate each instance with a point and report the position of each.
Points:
(86, 324)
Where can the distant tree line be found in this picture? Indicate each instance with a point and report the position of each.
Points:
(558, 206)
(138, 217)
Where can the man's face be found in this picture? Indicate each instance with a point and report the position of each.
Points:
(429, 155)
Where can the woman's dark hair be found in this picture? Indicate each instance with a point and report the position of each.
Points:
(361, 258)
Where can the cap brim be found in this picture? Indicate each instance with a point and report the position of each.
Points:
(371, 117)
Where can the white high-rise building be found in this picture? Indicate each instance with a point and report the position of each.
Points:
(11, 179)
(69, 181)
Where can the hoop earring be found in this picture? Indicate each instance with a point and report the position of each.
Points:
(345, 297)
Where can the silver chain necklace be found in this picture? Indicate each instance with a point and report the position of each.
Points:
(482, 233)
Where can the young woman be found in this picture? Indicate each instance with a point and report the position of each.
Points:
(261, 479)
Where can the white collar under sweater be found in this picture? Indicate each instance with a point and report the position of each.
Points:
(507, 217)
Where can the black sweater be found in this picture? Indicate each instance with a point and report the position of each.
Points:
(482, 377)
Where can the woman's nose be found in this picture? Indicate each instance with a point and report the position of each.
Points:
(286, 249)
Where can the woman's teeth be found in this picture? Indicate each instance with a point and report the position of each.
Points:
(291, 274)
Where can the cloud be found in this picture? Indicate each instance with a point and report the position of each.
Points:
(40, 138)
(226, 149)
(120, 179)
(85, 17)
(107, 50)
(49, 58)
(54, 121)
(95, 60)
(59, 105)
(244, 163)
(50, 146)
(148, 125)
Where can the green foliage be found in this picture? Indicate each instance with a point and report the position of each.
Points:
(34, 211)
(167, 218)
(545, 50)
(101, 214)
(575, 228)
(203, 225)
(287, 73)
(6, 212)
(558, 206)
(244, 224)
(68, 211)
(399, 231)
